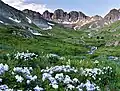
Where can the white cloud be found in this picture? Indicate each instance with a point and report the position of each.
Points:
(21, 5)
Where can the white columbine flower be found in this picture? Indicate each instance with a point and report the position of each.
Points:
(6, 67)
(67, 79)
(34, 78)
(89, 86)
(59, 77)
(3, 87)
(3, 68)
(71, 87)
(30, 68)
(55, 86)
(0, 80)
(28, 81)
(37, 88)
(19, 78)
(45, 76)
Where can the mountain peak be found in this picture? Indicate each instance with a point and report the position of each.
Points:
(112, 16)
(72, 18)
(114, 10)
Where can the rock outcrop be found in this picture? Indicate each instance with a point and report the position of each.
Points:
(36, 18)
(10, 15)
(75, 19)
(26, 19)
(25, 24)
(60, 16)
(47, 15)
(112, 16)
(71, 19)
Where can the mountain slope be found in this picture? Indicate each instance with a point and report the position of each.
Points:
(37, 19)
(74, 19)
(79, 49)
(88, 55)
(112, 16)
(27, 26)
(10, 15)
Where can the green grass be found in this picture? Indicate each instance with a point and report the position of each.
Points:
(68, 43)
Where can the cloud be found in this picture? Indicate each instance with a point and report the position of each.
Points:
(22, 4)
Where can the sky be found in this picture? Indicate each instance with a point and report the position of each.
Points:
(89, 7)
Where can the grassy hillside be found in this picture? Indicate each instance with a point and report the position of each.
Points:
(62, 46)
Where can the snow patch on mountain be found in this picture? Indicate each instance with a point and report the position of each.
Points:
(29, 20)
(72, 22)
(15, 20)
(106, 23)
(39, 34)
(90, 26)
(51, 24)
(65, 22)
(1, 22)
(76, 27)
(34, 32)
(48, 28)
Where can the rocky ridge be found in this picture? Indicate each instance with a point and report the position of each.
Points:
(45, 21)
(12, 16)
(77, 20)
(112, 16)
(25, 24)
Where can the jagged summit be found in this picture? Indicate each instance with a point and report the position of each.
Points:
(72, 19)
(77, 19)
(112, 16)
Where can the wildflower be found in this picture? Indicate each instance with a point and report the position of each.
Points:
(52, 80)
(71, 87)
(25, 55)
(55, 86)
(89, 86)
(75, 80)
(79, 87)
(67, 79)
(37, 88)
(6, 67)
(19, 78)
(3, 68)
(3, 87)
(34, 78)
(59, 77)
(0, 80)
(45, 76)
(30, 68)
(28, 81)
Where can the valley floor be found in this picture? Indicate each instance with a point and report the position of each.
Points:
(61, 59)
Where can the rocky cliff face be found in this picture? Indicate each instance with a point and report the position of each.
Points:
(36, 18)
(18, 21)
(12, 16)
(78, 20)
(24, 23)
(72, 19)
(112, 16)
(60, 16)
(47, 15)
